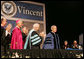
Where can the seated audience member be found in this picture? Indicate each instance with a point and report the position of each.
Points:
(65, 46)
(75, 45)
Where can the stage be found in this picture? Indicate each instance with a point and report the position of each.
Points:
(41, 53)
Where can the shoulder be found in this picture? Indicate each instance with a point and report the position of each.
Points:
(34, 33)
(49, 34)
(15, 30)
(2, 28)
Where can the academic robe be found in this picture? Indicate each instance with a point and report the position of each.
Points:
(33, 40)
(16, 41)
(52, 41)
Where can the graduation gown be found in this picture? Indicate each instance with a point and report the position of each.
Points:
(52, 41)
(33, 40)
(16, 41)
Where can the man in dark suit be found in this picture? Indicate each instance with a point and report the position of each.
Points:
(3, 49)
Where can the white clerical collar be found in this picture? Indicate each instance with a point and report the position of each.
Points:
(17, 27)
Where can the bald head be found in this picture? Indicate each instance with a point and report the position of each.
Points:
(75, 42)
(54, 28)
(36, 26)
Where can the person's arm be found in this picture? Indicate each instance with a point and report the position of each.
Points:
(42, 41)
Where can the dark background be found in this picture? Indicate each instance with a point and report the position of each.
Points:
(67, 16)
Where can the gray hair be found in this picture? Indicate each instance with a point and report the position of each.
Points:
(36, 24)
